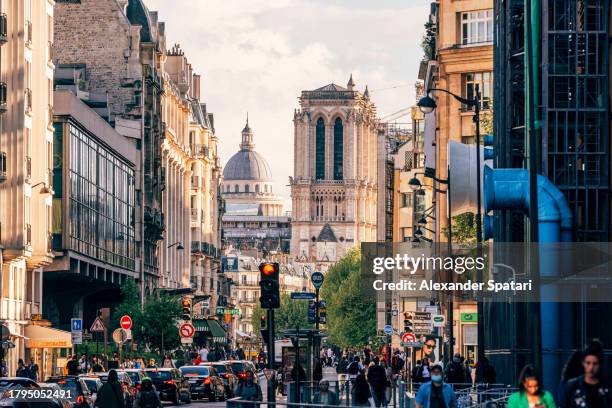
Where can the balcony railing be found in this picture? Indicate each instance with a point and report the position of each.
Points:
(3, 28)
(28, 100)
(2, 167)
(3, 95)
(28, 33)
(28, 169)
(28, 235)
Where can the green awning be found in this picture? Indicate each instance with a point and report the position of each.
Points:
(210, 328)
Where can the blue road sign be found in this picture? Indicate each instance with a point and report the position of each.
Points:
(388, 329)
(302, 295)
(76, 324)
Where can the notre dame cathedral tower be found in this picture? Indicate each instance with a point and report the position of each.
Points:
(333, 190)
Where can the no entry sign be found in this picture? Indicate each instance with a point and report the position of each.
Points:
(187, 330)
(125, 322)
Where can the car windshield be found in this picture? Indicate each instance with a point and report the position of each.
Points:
(120, 375)
(197, 370)
(220, 368)
(159, 375)
(92, 385)
(71, 386)
(134, 376)
(14, 383)
(238, 367)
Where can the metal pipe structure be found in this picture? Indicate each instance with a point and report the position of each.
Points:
(509, 189)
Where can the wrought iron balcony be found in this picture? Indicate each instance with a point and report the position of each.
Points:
(2, 167)
(3, 97)
(28, 100)
(27, 241)
(28, 169)
(28, 33)
(3, 28)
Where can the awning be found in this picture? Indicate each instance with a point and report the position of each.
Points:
(211, 328)
(46, 337)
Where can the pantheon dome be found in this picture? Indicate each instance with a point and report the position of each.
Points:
(247, 181)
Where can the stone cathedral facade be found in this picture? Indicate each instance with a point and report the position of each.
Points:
(333, 189)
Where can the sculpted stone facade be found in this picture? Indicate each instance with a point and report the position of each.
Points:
(334, 188)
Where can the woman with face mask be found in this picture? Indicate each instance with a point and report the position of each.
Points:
(436, 393)
(531, 394)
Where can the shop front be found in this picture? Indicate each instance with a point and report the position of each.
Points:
(209, 331)
(48, 347)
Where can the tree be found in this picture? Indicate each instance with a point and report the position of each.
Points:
(292, 313)
(463, 229)
(130, 305)
(351, 318)
(160, 317)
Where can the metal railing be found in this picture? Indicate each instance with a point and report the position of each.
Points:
(28, 100)
(28, 168)
(3, 28)
(28, 33)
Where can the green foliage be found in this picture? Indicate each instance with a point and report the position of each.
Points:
(351, 319)
(130, 305)
(486, 120)
(161, 315)
(428, 43)
(463, 228)
(292, 313)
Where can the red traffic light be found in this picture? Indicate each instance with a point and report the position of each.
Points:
(267, 269)
(186, 303)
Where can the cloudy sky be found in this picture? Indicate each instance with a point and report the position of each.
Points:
(258, 55)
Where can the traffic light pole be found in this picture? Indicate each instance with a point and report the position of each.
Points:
(270, 340)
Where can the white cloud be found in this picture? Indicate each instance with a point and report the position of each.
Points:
(258, 55)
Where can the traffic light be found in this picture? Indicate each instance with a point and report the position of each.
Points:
(269, 285)
(311, 312)
(264, 328)
(186, 305)
(408, 323)
(322, 315)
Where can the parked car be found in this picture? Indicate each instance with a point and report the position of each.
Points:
(56, 400)
(129, 391)
(240, 368)
(80, 396)
(230, 380)
(204, 382)
(170, 384)
(136, 374)
(93, 384)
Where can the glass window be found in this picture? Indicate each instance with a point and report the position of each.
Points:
(320, 149)
(477, 27)
(338, 146)
(484, 80)
(406, 200)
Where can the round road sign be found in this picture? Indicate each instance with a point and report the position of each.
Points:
(187, 330)
(408, 338)
(125, 322)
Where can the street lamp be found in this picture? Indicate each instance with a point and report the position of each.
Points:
(179, 246)
(46, 189)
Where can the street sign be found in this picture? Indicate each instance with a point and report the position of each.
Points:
(302, 295)
(438, 320)
(317, 279)
(388, 329)
(76, 324)
(269, 373)
(186, 340)
(87, 336)
(422, 323)
(411, 344)
(77, 337)
(97, 326)
(125, 322)
(408, 338)
(119, 336)
(187, 330)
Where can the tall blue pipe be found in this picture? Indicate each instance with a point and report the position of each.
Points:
(508, 189)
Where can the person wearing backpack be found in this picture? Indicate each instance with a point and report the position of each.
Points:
(355, 368)
(147, 396)
(111, 393)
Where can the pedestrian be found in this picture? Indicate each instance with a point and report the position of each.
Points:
(168, 362)
(572, 369)
(397, 363)
(110, 395)
(197, 360)
(22, 370)
(240, 353)
(33, 368)
(317, 372)
(377, 378)
(249, 390)
(3, 368)
(146, 396)
(414, 374)
(485, 372)
(455, 371)
(531, 394)
(589, 390)
(203, 353)
(72, 366)
(324, 395)
(152, 363)
(330, 356)
(361, 395)
(97, 366)
(436, 393)
(355, 368)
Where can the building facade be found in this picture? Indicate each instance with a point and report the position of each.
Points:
(253, 219)
(26, 156)
(334, 187)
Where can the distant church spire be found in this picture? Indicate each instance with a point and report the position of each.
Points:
(366, 93)
(247, 136)
(351, 84)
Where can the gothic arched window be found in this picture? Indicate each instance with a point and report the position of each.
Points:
(320, 150)
(247, 188)
(338, 146)
(236, 189)
(257, 188)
